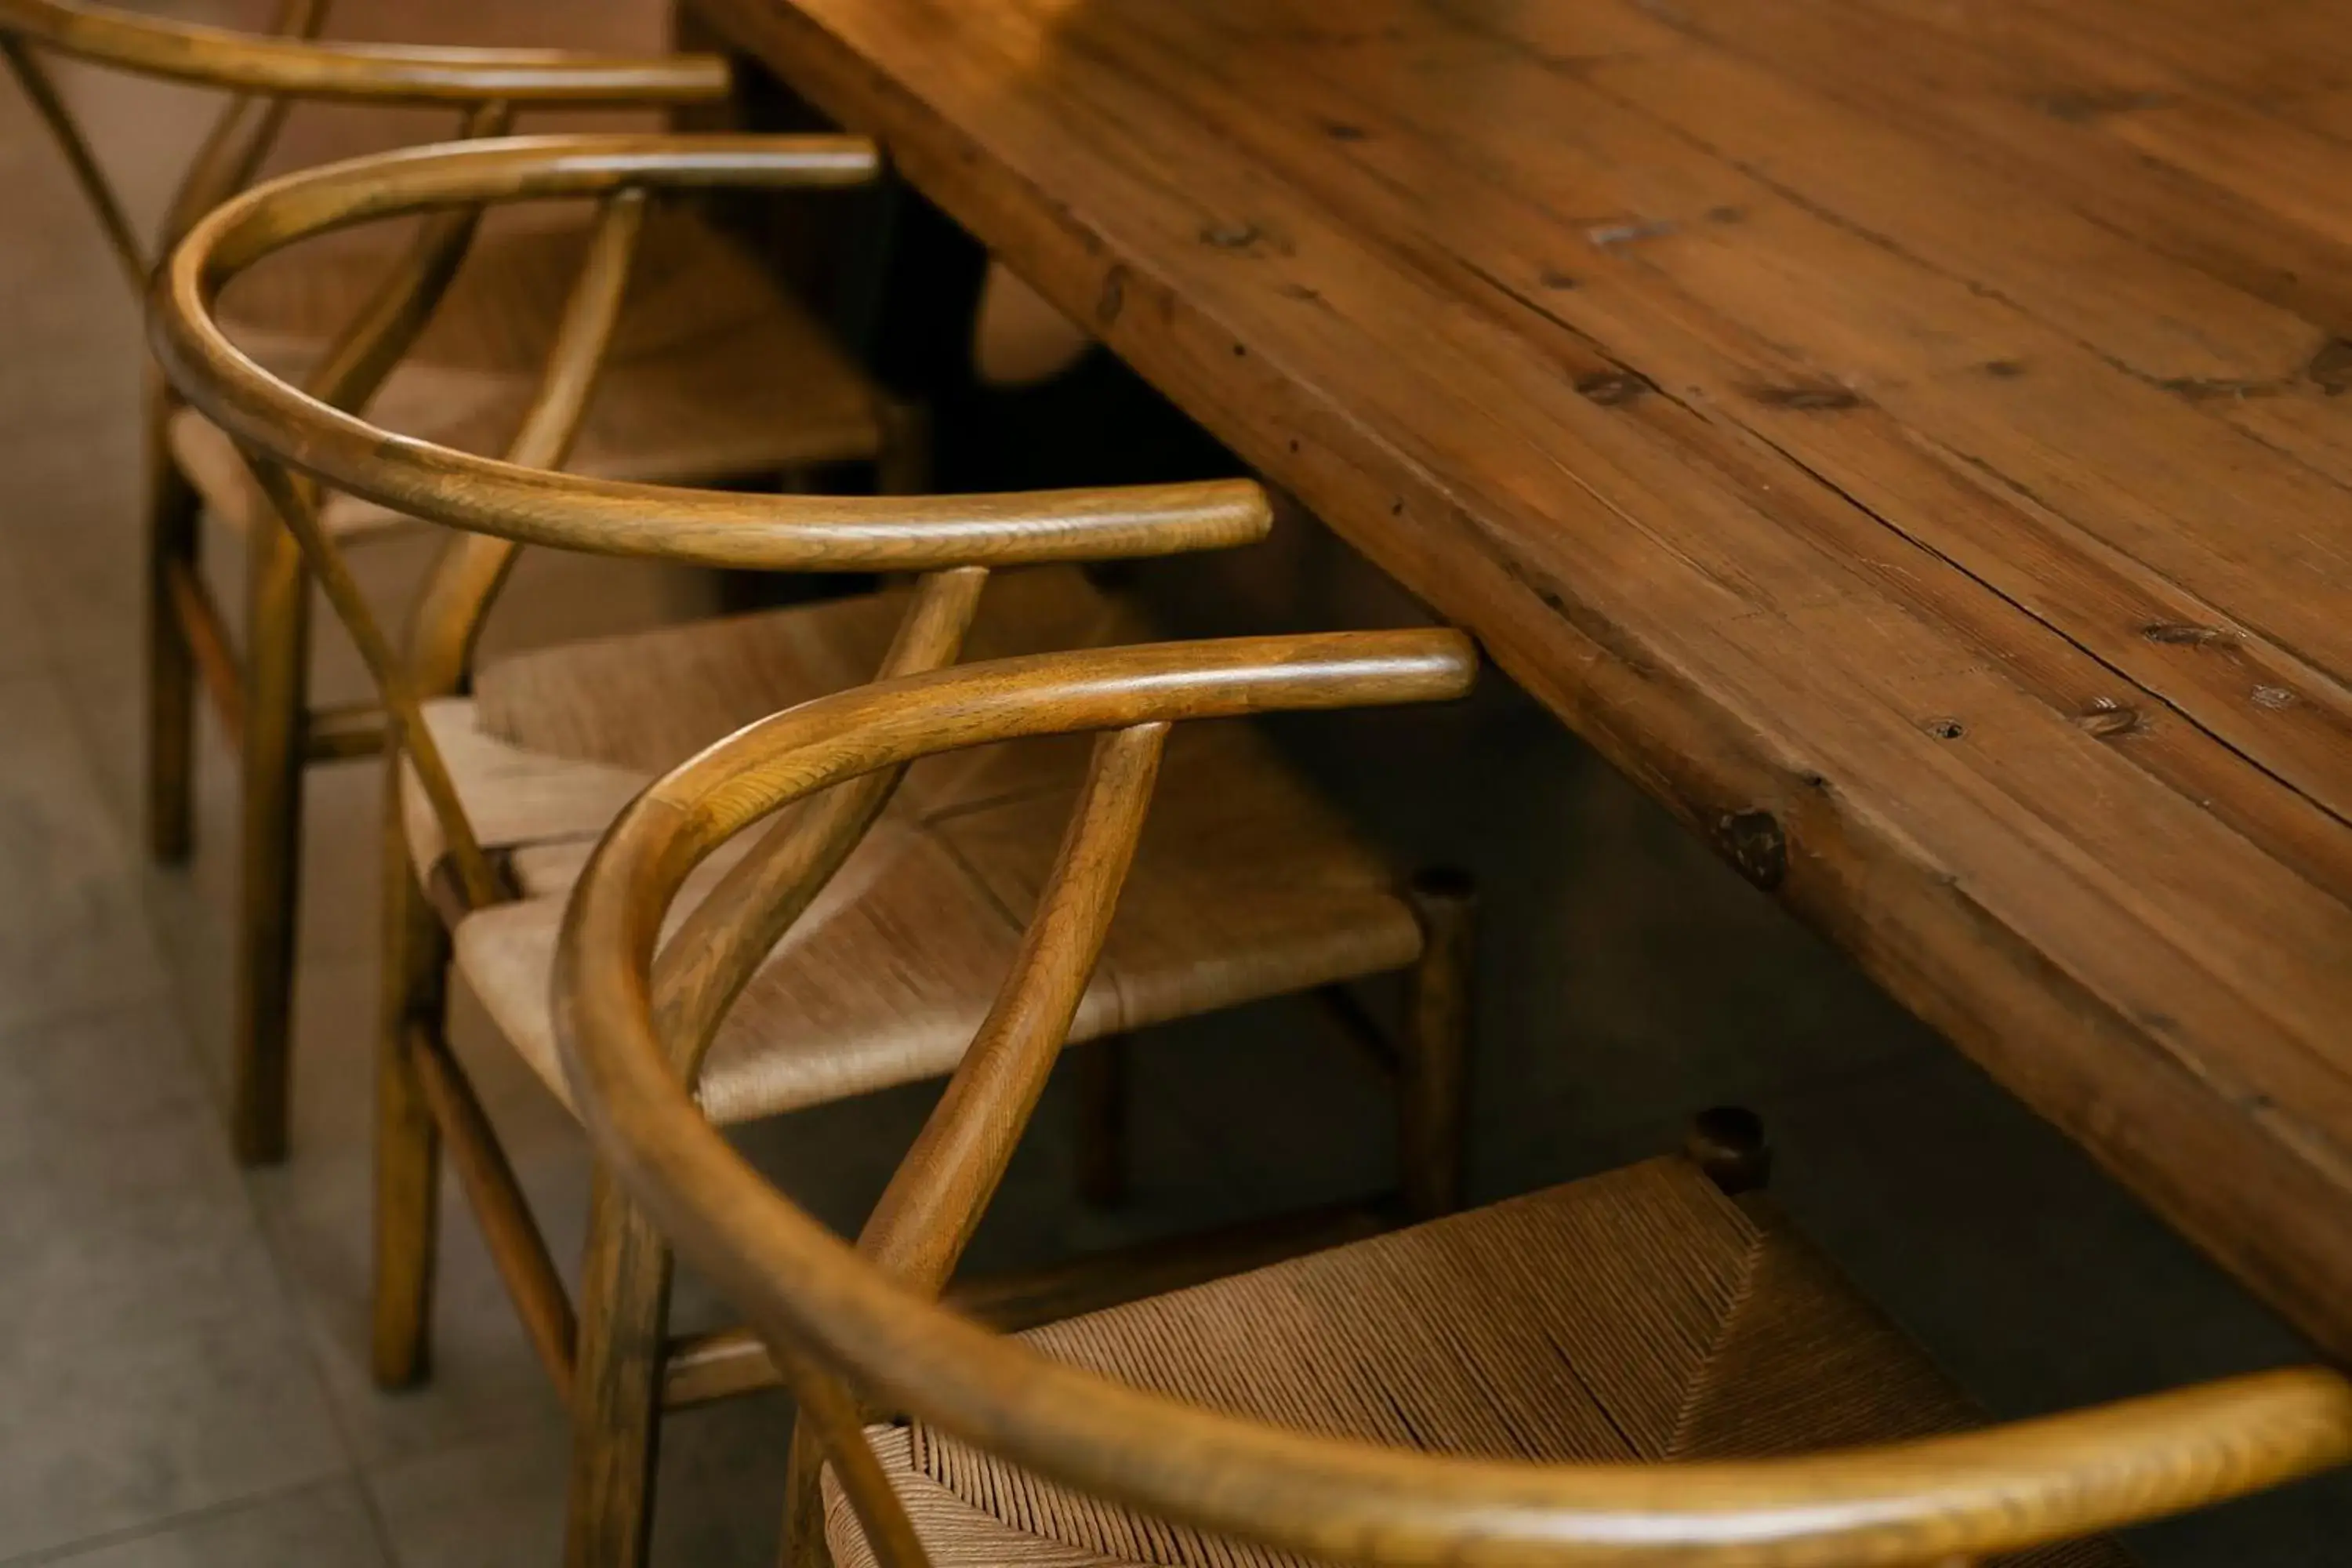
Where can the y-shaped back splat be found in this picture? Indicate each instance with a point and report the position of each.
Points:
(267, 71)
(239, 140)
(532, 506)
(520, 499)
(830, 1311)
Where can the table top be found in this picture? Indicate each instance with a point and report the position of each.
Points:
(1908, 436)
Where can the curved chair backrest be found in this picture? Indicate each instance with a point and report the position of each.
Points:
(521, 499)
(268, 70)
(526, 504)
(857, 1329)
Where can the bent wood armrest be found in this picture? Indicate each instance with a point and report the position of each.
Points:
(532, 506)
(831, 1314)
(264, 63)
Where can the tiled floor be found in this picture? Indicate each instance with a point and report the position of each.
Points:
(181, 1371)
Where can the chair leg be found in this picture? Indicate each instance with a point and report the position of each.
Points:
(277, 680)
(1729, 1144)
(804, 1542)
(173, 513)
(407, 1139)
(1099, 1072)
(616, 1384)
(1434, 1062)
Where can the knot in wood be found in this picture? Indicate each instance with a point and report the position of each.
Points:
(2106, 717)
(2331, 367)
(1612, 388)
(1822, 396)
(1752, 841)
(2182, 634)
(1607, 235)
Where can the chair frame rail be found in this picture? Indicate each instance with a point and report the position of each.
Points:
(858, 1328)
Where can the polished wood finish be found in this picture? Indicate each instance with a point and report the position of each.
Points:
(275, 691)
(439, 862)
(718, 528)
(1435, 1060)
(1902, 438)
(206, 642)
(864, 1312)
(515, 1243)
(411, 998)
(257, 63)
(275, 694)
(263, 73)
(920, 1225)
(616, 1390)
(171, 543)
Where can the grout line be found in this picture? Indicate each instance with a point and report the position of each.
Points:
(228, 1507)
(379, 1526)
(161, 996)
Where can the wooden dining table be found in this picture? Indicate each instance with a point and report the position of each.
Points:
(1909, 438)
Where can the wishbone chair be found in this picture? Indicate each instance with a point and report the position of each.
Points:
(1645, 1369)
(1254, 891)
(713, 375)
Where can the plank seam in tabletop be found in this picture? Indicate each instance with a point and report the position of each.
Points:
(2072, 1030)
(2218, 396)
(2164, 603)
(1982, 107)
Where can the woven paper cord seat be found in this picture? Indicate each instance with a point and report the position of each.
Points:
(1246, 885)
(1637, 1315)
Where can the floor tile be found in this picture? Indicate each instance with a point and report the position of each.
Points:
(149, 1362)
(325, 1527)
(183, 1369)
(491, 1503)
(23, 649)
(318, 1212)
(2031, 1276)
(73, 935)
(719, 1496)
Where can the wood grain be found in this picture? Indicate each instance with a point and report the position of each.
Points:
(1906, 439)
(530, 506)
(256, 62)
(830, 1312)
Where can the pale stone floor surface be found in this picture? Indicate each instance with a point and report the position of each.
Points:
(181, 1364)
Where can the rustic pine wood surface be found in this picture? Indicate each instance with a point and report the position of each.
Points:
(206, 1401)
(1905, 436)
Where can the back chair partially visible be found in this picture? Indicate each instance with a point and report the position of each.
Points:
(1643, 1368)
(503, 776)
(711, 374)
